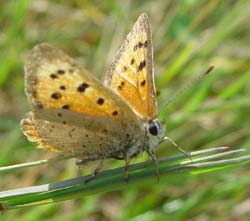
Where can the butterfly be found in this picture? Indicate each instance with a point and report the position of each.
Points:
(77, 116)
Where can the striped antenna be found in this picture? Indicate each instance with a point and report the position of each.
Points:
(191, 83)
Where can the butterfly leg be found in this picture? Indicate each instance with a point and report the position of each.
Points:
(126, 158)
(95, 172)
(188, 155)
(80, 162)
(153, 158)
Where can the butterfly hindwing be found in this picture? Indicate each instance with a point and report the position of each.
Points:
(131, 72)
(74, 140)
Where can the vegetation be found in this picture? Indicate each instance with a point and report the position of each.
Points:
(188, 37)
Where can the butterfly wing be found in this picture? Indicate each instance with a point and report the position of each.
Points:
(131, 72)
(72, 112)
(73, 139)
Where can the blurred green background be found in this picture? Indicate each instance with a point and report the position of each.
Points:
(188, 36)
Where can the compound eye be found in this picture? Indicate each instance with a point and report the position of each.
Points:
(153, 129)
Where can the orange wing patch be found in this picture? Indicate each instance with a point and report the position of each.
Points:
(54, 80)
(131, 73)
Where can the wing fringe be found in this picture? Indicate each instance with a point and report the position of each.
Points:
(29, 129)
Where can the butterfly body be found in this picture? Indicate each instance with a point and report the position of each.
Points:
(78, 116)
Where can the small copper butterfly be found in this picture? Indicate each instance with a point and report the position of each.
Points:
(79, 117)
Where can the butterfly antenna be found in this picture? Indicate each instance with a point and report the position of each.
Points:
(191, 83)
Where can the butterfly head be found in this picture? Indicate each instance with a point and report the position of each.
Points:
(155, 133)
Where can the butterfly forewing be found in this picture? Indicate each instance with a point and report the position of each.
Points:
(131, 72)
(72, 112)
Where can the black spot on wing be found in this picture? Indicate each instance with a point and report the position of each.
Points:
(53, 76)
(143, 83)
(56, 95)
(141, 65)
(82, 87)
(61, 72)
(62, 87)
(115, 113)
(141, 45)
(121, 85)
(100, 101)
(66, 107)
